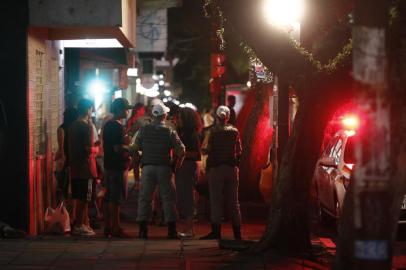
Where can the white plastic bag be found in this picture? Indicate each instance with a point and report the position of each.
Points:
(57, 220)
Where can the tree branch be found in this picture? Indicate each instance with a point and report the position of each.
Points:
(272, 45)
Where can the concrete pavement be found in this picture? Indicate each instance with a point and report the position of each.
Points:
(77, 253)
(67, 252)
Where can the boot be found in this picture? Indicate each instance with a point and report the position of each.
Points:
(237, 232)
(172, 233)
(143, 230)
(214, 234)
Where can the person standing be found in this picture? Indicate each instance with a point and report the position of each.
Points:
(136, 120)
(223, 148)
(62, 155)
(190, 127)
(80, 161)
(230, 104)
(116, 159)
(208, 118)
(157, 141)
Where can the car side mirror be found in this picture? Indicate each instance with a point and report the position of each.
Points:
(328, 162)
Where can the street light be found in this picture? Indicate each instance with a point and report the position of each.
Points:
(286, 15)
(283, 12)
(97, 89)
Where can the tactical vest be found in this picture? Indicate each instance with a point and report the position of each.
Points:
(222, 143)
(156, 145)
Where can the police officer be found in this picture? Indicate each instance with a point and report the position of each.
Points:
(223, 148)
(157, 141)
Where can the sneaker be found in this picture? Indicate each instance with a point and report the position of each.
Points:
(82, 231)
(187, 235)
(90, 230)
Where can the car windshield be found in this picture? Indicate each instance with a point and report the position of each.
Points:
(349, 155)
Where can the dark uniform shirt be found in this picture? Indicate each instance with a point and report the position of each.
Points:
(80, 143)
(224, 146)
(156, 141)
(113, 134)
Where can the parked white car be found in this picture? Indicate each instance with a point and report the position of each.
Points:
(333, 173)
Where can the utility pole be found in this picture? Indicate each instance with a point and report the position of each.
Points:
(370, 220)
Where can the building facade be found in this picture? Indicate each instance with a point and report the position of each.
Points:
(34, 71)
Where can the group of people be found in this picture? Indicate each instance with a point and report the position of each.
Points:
(166, 151)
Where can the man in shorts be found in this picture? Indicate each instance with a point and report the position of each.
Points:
(116, 161)
(82, 171)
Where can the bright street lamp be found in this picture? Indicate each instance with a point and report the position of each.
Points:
(283, 12)
(97, 89)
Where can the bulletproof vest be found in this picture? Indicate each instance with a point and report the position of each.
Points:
(156, 145)
(222, 144)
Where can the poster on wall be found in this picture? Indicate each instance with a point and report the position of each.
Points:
(152, 30)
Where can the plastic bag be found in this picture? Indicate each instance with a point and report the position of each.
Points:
(57, 220)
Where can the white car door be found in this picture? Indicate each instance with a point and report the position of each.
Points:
(333, 172)
(322, 175)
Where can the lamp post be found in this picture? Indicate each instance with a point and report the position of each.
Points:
(284, 14)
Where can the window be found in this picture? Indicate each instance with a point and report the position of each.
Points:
(336, 154)
(349, 153)
(147, 66)
(329, 149)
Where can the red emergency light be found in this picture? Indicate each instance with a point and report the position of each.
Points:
(350, 124)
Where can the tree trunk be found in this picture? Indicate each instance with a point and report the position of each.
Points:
(288, 227)
(322, 94)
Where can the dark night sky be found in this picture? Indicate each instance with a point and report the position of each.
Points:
(189, 40)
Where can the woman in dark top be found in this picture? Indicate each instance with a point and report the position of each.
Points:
(189, 128)
(62, 154)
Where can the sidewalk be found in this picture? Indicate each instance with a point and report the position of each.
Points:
(77, 253)
(67, 252)
(70, 252)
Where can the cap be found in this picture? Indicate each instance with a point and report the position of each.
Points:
(120, 104)
(159, 109)
(223, 112)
